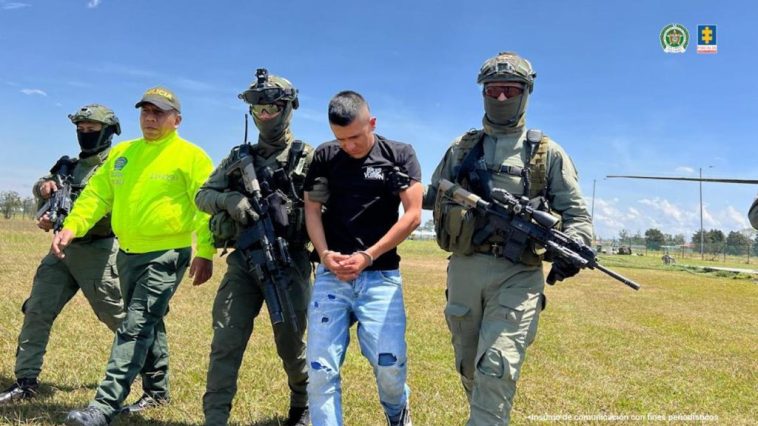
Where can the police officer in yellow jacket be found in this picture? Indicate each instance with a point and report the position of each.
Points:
(494, 304)
(149, 186)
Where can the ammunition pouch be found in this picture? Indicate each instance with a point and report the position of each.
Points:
(454, 225)
(296, 233)
(224, 229)
(526, 252)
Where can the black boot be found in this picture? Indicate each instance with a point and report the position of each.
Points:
(146, 401)
(22, 389)
(89, 416)
(298, 416)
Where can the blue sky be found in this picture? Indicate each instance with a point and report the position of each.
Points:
(605, 90)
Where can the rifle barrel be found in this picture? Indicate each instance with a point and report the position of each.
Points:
(617, 276)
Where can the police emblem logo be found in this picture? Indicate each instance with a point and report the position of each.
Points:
(120, 163)
(674, 38)
(706, 39)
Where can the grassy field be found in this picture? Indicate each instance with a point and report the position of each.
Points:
(686, 344)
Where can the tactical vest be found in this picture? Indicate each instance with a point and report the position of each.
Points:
(284, 172)
(457, 227)
(472, 172)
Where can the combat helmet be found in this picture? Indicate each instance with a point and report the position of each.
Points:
(267, 89)
(101, 114)
(507, 66)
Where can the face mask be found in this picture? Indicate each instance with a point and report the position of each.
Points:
(505, 113)
(92, 143)
(88, 141)
(272, 130)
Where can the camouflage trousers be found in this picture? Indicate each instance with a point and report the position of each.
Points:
(492, 312)
(89, 265)
(238, 302)
(148, 281)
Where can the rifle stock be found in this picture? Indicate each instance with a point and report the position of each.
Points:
(517, 217)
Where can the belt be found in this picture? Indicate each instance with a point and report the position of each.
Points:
(494, 249)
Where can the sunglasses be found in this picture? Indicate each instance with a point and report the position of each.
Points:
(508, 91)
(271, 109)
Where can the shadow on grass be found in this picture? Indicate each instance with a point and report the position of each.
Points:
(47, 389)
(43, 410)
(276, 421)
(135, 420)
(34, 412)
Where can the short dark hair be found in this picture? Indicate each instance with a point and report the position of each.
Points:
(345, 107)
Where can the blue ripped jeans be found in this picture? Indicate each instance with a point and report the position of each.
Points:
(375, 300)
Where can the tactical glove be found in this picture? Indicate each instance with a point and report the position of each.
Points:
(561, 270)
(239, 208)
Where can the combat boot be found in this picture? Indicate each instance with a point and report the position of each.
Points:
(22, 389)
(145, 402)
(298, 416)
(404, 419)
(89, 416)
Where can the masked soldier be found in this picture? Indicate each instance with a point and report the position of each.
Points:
(280, 164)
(91, 264)
(494, 304)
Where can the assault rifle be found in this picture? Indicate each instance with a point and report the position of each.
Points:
(520, 222)
(58, 206)
(266, 254)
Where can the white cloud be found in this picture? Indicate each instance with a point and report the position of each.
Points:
(31, 92)
(736, 217)
(685, 169)
(611, 216)
(93, 3)
(13, 5)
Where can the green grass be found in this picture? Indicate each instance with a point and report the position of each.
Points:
(685, 344)
(652, 260)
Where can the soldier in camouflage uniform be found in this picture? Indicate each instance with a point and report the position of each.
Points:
(493, 304)
(240, 295)
(90, 266)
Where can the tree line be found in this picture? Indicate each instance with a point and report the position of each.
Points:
(12, 205)
(715, 241)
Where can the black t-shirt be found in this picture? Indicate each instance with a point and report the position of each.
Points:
(361, 206)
